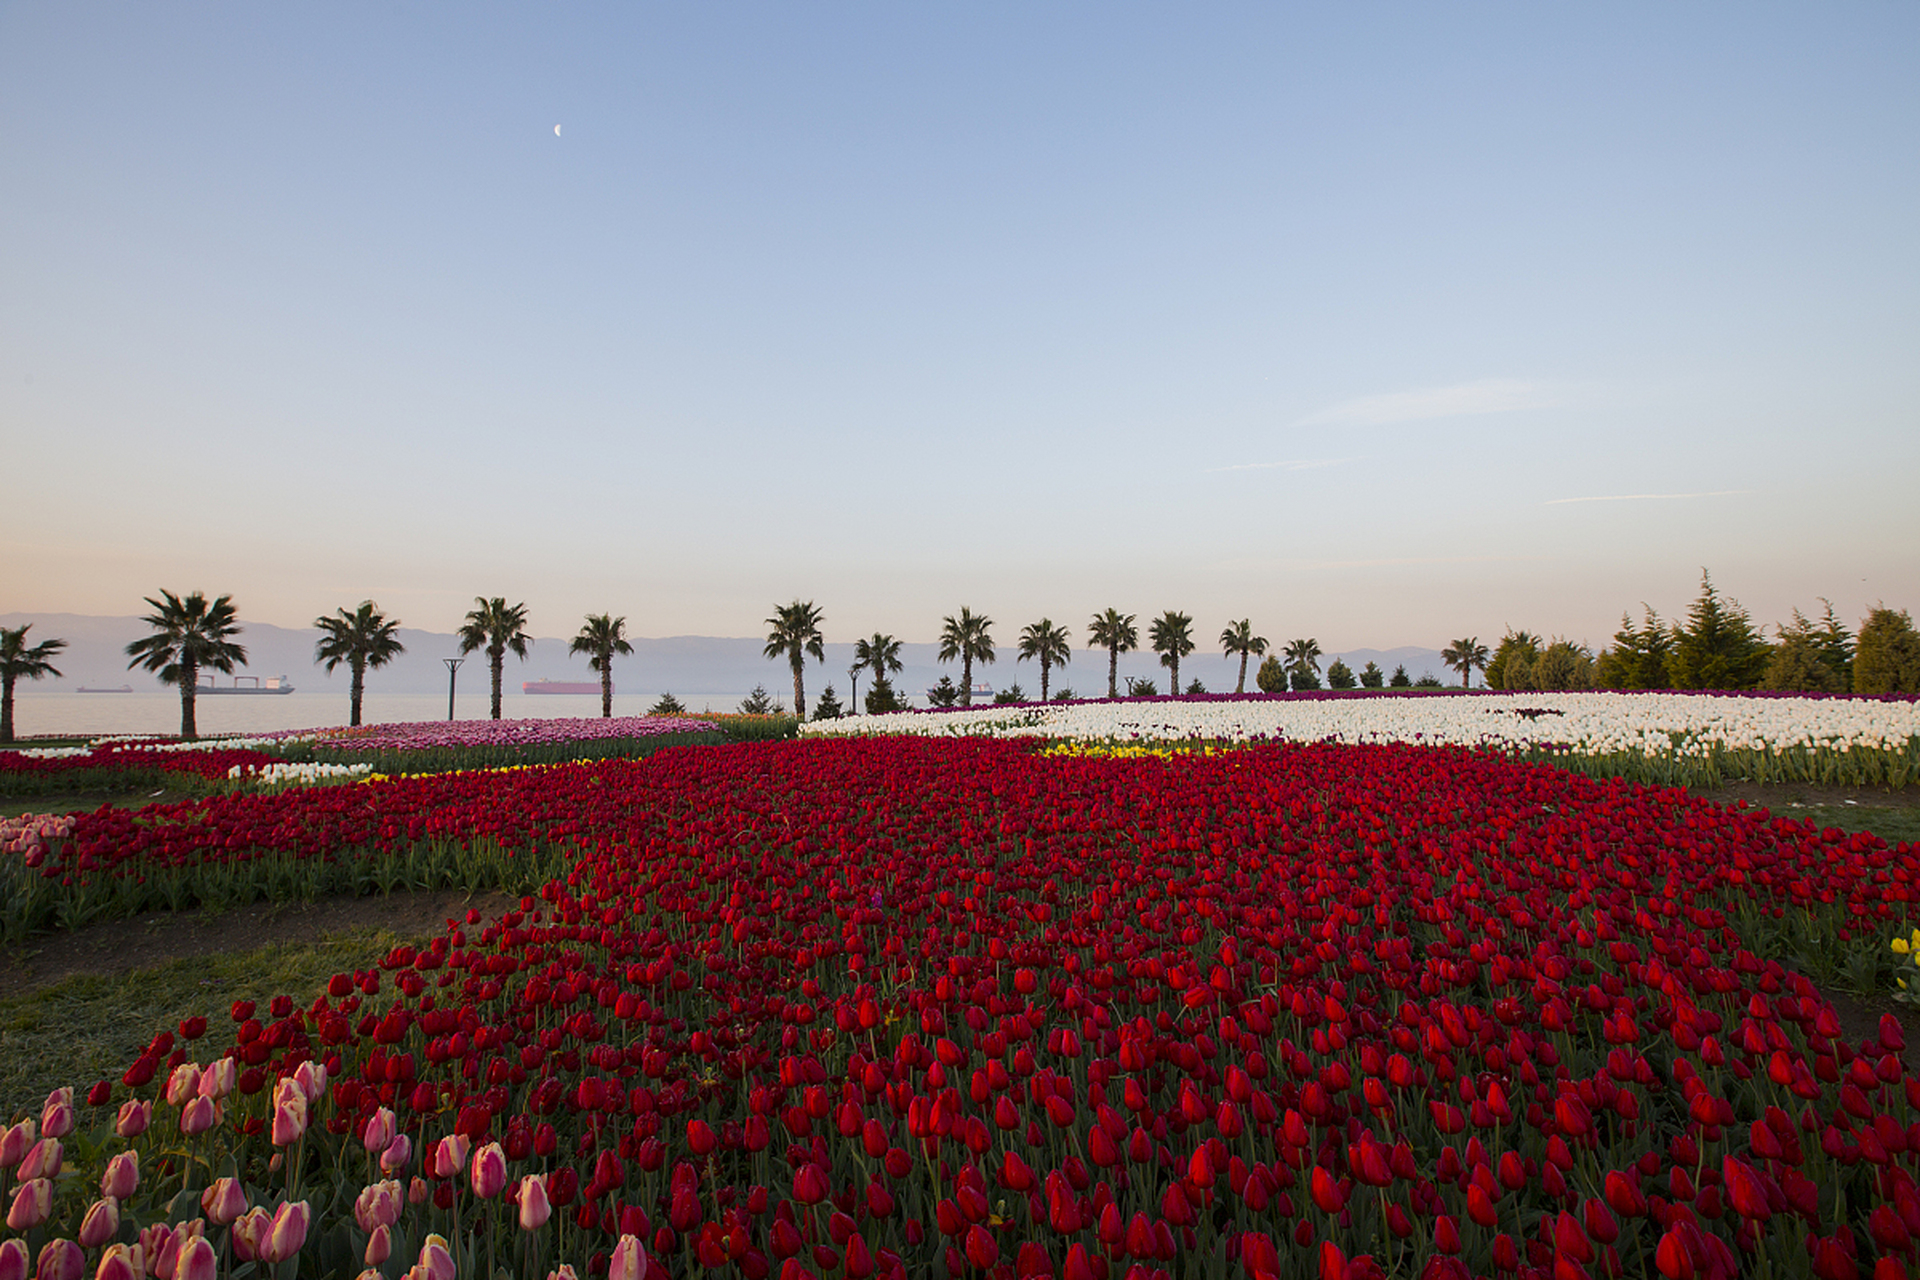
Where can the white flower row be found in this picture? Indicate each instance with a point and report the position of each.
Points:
(274, 775)
(1591, 723)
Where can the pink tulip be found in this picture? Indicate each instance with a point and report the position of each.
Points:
(133, 1119)
(289, 1113)
(157, 1249)
(286, 1232)
(31, 1204)
(223, 1201)
(566, 1272)
(197, 1260)
(14, 1143)
(450, 1155)
(378, 1205)
(198, 1116)
(56, 1117)
(436, 1263)
(217, 1080)
(249, 1230)
(183, 1084)
(122, 1177)
(629, 1260)
(419, 1191)
(397, 1154)
(378, 1134)
(61, 1260)
(379, 1245)
(121, 1262)
(13, 1259)
(535, 1208)
(101, 1224)
(43, 1161)
(489, 1172)
(311, 1076)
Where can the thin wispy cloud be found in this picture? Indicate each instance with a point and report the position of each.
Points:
(1466, 399)
(1646, 497)
(1292, 464)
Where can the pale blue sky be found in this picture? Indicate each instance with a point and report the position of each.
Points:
(1383, 324)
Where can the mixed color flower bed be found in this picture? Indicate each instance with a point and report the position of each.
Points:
(903, 1007)
(431, 734)
(1677, 737)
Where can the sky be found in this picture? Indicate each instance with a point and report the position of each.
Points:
(1381, 324)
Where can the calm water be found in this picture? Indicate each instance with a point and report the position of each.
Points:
(67, 714)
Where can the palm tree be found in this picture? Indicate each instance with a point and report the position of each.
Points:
(1463, 656)
(1113, 631)
(361, 639)
(601, 638)
(1172, 639)
(187, 635)
(18, 658)
(496, 627)
(1303, 656)
(1046, 644)
(796, 633)
(966, 638)
(879, 654)
(1238, 638)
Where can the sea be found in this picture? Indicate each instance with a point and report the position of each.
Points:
(64, 714)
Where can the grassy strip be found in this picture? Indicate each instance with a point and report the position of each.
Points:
(19, 788)
(176, 787)
(31, 902)
(90, 1027)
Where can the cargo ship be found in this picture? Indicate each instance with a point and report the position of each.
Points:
(261, 684)
(125, 688)
(561, 686)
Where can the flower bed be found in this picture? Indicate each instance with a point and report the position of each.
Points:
(432, 734)
(898, 1007)
(1667, 737)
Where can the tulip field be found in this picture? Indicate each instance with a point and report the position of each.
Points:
(963, 1005)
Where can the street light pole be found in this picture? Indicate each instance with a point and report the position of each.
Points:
(453, 675)
(853, 699)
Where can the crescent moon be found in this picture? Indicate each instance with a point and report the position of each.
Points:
(556, 131)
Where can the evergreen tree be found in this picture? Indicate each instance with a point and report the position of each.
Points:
(828, 707)
(1272, 675)
(1887, 656)
(1400, 680)
(1371, 676)
(1514, 643)
(1340, 675)
(1718, 648)
(1811, 658)
(1638, 658)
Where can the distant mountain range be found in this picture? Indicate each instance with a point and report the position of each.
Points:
(686, 665)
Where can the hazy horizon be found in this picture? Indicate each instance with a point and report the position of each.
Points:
(1382, 325)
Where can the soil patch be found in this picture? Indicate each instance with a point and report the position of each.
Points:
(1785, 795)
(121, 946)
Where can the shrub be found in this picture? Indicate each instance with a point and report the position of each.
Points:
(1304, 678)
(667, 705)
(1142, 688)
(1400, 678)
(1514, 646)
(1371, 676)
(1194, 686)
(1428, 681)
(1011, 694)
(1340, 675)
(828, 706)
(1562, 665)
(882, 698)
(944, 694)
(1064, 695)
(757, 703)
(1272, 675)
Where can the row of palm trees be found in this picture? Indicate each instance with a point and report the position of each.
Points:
(966, 638)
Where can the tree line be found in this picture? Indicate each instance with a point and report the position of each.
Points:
(1716, 647)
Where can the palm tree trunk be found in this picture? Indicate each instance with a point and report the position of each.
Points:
(1043, 677)
(359, 687)
(799, 690)
(6, 709)
(1113, 671)
(1173, 660)
(966, 679)
(606, 686)
(189, 688)
(497, 659)
(1240, 685)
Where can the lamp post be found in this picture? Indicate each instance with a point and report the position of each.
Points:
(853, 699)
(453, 676)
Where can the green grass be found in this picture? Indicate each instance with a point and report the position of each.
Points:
(171, 787)
(90, 1027)
(1889, 823)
